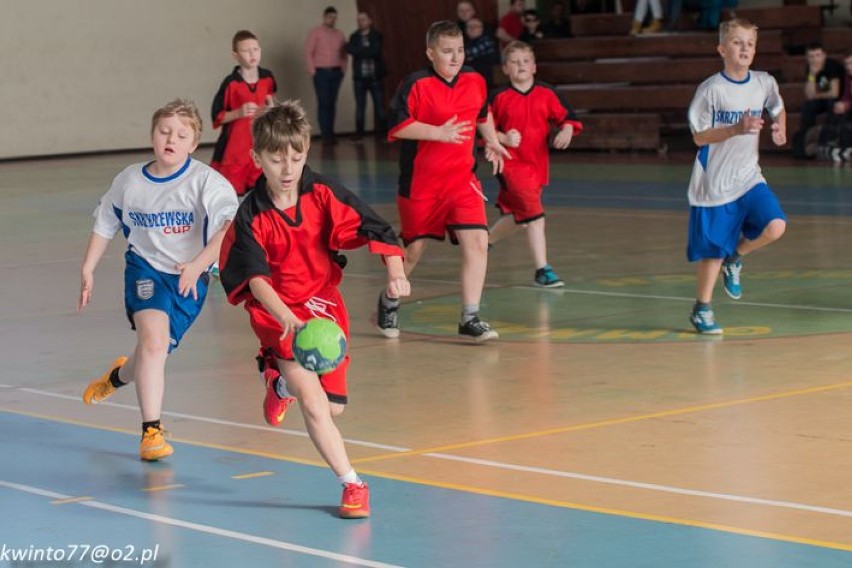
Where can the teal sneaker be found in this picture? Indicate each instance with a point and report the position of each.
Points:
(546, 278)
(731, 278)
(704, 321)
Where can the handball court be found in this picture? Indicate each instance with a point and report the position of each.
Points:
(599, 431)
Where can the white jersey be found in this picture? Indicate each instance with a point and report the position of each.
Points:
(168, 220)
(723, 172)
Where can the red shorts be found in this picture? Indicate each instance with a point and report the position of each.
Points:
(242, 176)
(327, 304)
(433, 214)
(520, 194)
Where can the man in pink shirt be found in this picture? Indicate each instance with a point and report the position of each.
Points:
(326, 57)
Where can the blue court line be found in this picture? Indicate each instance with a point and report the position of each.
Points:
(413, 525)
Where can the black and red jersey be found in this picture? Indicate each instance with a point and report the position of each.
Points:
(534, 114)
(296, 250)
(234, 141)
(424, 96)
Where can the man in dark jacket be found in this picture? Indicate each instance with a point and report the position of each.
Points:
(368, 72)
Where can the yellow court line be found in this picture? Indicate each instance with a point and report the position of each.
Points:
(253, 475)
(483, 491)
(603, 423)
(71, 500)
(163, 487)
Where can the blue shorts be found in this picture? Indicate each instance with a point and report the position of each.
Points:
(146, 288)
(714, 232)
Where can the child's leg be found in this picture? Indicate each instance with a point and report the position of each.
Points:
(317, 412)
(537, 242)
(474, 249)
(152, 349)
(773, 231)
(413, 252)
(707, 271)
(504, 227)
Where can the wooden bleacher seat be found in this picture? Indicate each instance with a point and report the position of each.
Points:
(640, 131)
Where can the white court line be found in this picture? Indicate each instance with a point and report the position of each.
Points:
(299, 433)
(513, 467)
(202, 528)
(683, 299)
(648, 486)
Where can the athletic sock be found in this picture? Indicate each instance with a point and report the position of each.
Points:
(281, 388)
(350, 477)
(114, 380)
(469, 312)
(152, 424)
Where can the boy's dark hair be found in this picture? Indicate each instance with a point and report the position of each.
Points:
(281, 127)
(814, 46)
(329, 10)
(241, 35)
(444, 28)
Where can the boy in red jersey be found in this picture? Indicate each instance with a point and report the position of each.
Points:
(281, 258)
(434, 112)
(524, 113)
(243, 94)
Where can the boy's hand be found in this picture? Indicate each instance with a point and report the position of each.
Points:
(779, 134)
(289, 322)
(248, 110)
(189, 275)
(749, 124)
(454, 132)
(399, 287)
(87, 283)
(563, 139)
(513, 138)
(495, 153)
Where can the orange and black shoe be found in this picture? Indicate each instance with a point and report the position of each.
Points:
(101, 389)
(154, 446)
(355, 503)
(274, 407)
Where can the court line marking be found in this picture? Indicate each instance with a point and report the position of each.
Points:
(512, 496)
(245, 537)
(480, 490)
(253, 475)
(611, 422)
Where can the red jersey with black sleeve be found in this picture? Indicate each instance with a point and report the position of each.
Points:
(296, 250)
(428, 167)
(235, 140)
(534, 114)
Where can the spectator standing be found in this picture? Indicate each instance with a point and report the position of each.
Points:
(368, 73)
(326, 58)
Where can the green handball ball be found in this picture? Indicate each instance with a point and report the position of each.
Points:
(319, 346)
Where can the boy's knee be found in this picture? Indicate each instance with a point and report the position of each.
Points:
(154, 344)
(775, 229)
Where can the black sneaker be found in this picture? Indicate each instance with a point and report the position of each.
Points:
(477, 329)
(387, 319)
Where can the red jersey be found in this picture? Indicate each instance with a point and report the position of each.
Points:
(424, 96)
(533, 114)
(296, 250)
(235, 140)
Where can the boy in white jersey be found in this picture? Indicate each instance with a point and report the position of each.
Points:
(732, 210)
(174, 212)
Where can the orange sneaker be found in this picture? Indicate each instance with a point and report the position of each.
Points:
(154, 446)
(101, 389)
(355, 503)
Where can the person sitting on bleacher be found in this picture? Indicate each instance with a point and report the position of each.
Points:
(822, 89)
(639, 14)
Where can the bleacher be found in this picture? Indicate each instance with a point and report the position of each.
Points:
(632, 92)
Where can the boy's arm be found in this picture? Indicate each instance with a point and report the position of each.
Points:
(264, 293)
(94, 251)
(398, 284)
(494, 150)
(191, 271)
(779, 128)
(452, 132)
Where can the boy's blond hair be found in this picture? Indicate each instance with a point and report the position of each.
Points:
(444, 28)
(283, 126)
(726, 27)
(182, 108)
(517, 46)
(241, 35)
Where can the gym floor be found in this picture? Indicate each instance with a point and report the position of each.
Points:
(599, 431)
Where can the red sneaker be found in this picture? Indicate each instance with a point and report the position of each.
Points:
(355, 503)
(274, 407)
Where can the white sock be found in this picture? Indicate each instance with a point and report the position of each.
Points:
(281, 388)
(349, 477)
